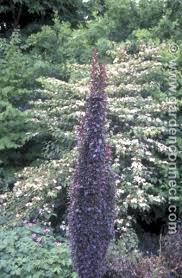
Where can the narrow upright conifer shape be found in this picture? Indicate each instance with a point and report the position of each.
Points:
(91, 209)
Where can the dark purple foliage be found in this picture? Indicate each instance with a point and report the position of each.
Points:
(172, 252)
(91, 209)
(120, 267)
(151, 267)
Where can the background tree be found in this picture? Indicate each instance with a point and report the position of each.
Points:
(20, 13)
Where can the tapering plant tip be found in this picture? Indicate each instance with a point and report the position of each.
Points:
(95, 54)
(98, 74)
(95, 69)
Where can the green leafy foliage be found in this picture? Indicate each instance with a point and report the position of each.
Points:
(60, 44)
(15, 80)
(32, 251)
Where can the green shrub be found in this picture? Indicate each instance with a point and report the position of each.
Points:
(15, 82)
(32, 251)
(59, 44)
(18, 87)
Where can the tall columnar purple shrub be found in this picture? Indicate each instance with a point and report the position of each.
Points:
(91, 209)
